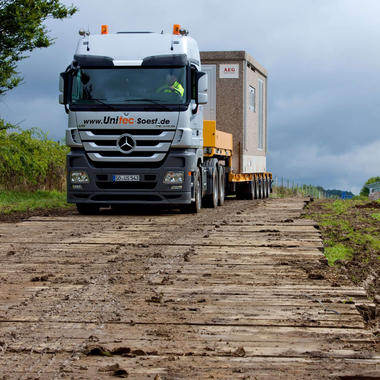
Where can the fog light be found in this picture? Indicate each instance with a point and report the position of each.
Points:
(172, 178)
(79, 177)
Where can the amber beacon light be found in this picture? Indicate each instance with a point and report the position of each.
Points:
(176, 29)
(104, 29)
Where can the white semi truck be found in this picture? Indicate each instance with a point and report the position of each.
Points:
(136, 131)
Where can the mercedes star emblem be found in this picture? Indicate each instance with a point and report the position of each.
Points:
(126, 143)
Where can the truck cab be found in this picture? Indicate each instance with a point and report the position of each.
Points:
(135, 125)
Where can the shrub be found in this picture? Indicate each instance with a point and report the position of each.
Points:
(29, 161)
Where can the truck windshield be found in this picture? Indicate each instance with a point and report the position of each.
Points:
(129, 86)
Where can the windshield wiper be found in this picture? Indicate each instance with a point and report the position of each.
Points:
(105, 104)
(154, 101)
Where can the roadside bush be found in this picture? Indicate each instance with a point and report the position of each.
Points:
(29, 161)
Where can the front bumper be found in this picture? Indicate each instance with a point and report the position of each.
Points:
(149, 190)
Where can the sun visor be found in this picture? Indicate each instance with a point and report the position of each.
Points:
(166, 60)
(92, 60)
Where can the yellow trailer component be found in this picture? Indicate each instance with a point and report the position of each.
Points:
(218, 140)
(239, 177)
(244, 177)
(218, 143)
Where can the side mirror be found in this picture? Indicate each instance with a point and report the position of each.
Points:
(202, 80)
(63, 88)
(61, 82)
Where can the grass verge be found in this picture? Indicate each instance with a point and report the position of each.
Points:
(16, 202)
(351, 234)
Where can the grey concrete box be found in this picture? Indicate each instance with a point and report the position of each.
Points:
(238, 102)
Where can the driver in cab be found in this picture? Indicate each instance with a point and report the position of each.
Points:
(172, 85)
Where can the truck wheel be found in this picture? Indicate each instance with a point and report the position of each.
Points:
(222, 184)
(87, 208)
(211, 200)
(195, 206)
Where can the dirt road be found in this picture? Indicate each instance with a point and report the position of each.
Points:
(232, 293)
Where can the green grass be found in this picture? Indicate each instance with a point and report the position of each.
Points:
(338, 252)
(14, 201)
(350, 231)
(339, 206)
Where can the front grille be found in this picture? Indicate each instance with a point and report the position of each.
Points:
(101, 146)
(126, 185)
(119, 132)
(125, 165)
(122, 155)
(126, 197)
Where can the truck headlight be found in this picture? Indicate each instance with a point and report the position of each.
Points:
(79, 176)
(172, 177)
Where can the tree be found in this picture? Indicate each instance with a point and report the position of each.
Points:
(364, 191)
(22, 30)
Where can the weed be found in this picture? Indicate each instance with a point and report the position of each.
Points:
(338, 252)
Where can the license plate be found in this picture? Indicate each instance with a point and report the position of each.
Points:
(125, 178)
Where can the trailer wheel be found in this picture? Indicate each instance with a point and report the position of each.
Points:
(250, 188)
(87, 208)
(260, 189)
(268, 187)
(265, 188)
(256, 184)
(222, 184)
(240, 193)
(195, 206)
(211, 200)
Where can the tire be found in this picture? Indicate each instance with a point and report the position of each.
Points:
(268, 187)
(250, 195)
(195, 206)
(256, 188)
(212, 200)
(260, 189)
(240, 193)
(87, 208)
(265, 188)
(222, 185)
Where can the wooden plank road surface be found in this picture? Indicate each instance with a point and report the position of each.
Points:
(231, 293)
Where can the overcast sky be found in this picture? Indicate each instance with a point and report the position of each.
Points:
(322, 56)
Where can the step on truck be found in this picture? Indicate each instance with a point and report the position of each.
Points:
(148, 123)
